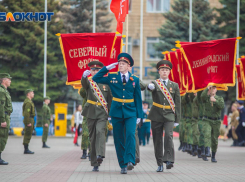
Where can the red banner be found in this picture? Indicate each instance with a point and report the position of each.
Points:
(120, 10)
(211, 63)
(81, 48)
(241, 84)
(242, 64)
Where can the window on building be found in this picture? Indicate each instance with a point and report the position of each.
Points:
(158, 6)
(129, 45)
(129, 4)
(151, 53)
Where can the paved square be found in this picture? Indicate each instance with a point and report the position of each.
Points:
(62, 163)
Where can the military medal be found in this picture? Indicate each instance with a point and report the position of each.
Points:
(134, 84)
(104, 87)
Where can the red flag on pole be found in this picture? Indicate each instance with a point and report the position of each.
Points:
(120, 10)
(211, 62)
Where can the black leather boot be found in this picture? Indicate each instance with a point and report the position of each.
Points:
(235, 143)
(184, 147)
(190, 148)
(27, 151)
(181, 146)
(45, 146)
(187, 148)
(207, 152)
(199, 152)
(213, 157)
(2, 162)
(203, 151)
(84, 156)
(195, 148)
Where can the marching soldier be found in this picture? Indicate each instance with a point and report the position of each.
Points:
(183, 129)
(195, 131)
(28, 113)
(85, 143)
(46, 120)
(165, 113)
(200, 125)
(96, 110)
(5, 111)
(126, 109)
(211, 121)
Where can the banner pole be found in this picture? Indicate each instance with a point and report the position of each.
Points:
(237, 34)
(127, 34)
(190, 21)
(45, 53)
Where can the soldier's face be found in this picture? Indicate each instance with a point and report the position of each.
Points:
(123, 66)
(31, 94)
(164, 73)
(47, 101)
(7, 82)
(94, 71)
(145, 106)
(213, 90)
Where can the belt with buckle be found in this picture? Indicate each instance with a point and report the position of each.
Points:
(123, 100)
(211, 118)
(161, 106)
(94, 103)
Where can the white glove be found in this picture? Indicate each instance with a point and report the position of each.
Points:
(86, 73)
(111, 66)
(243, 124)
(151, 86)
(109, 119)
(138, 120)
(176, 124)
(143, 120)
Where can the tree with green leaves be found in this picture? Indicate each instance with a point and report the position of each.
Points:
(22, 51)
(78, 16)
(176, 26)
(227, 21)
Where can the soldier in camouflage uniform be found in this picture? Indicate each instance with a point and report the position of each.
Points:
(211, 120)
(5, 111)
(200, 123)
(46, 120)
(195, 131)
(188, 137)
(182, 126)
(28, 113)
(85, 143)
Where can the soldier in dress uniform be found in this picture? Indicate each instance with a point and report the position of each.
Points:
(96, 111)
(46, 117)
(211, 120)
(165, 113)
(200, 124)
(5, 111)
(28, 113)
(126, 109)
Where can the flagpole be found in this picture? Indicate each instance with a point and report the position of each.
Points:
(141, 44)
(45, 53)
(127, 33)
(237, 35)
(94, 16)
(190, 21)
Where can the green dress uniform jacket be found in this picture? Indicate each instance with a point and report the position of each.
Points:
(159, 114)
(28, 113)
(46, 120)
(5, 111)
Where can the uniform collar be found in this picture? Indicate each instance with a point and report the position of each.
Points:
(165, 80)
